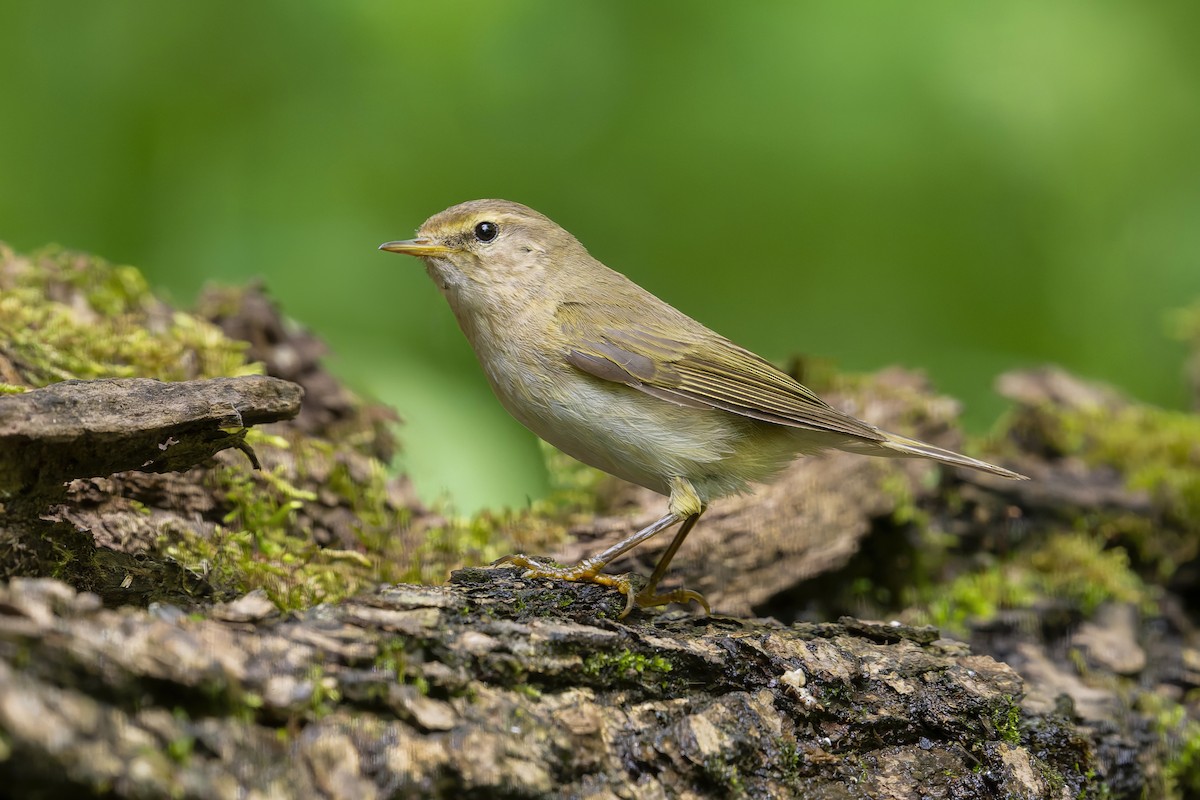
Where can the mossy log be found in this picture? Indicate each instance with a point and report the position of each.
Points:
(213, 630)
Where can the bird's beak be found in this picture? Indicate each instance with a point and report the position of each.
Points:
(422, 248)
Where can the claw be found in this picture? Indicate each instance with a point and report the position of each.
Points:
(684, 596)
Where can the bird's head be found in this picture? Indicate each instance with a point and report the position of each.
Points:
(489, 244)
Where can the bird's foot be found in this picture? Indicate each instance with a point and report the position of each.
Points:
(648, 599)
(585, 571)
(588, 571)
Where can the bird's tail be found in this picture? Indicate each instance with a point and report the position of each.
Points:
(911, 448)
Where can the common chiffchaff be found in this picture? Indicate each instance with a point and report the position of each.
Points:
(608, 373)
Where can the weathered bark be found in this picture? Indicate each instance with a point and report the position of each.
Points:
(86, 429)
(497, 687)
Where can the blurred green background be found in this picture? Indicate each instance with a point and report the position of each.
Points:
(959, 187)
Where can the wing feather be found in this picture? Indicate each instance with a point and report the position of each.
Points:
(693, 366)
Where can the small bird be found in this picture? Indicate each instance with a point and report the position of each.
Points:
(615, 377)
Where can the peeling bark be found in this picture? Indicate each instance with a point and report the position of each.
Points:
(85, 429)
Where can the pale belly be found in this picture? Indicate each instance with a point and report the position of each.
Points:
(647, 440)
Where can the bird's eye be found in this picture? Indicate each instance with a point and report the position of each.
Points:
(486, 231)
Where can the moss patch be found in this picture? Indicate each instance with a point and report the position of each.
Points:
(1179, 737)
(64, 315)
(1156, 451)
(624, 663)
(1073, 567)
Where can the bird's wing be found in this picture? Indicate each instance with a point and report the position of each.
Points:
(690, 365)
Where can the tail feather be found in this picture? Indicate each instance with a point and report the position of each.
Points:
(905, 447)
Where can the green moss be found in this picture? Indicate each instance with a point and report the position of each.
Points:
(259, 544)
(471, 540)
(1180, 739)
(789, 760)
(260, 500)
(1183, 768)
(251, 702)
(624, 663)
(180, 749)
(1071, 566)
(725, 775)
(391, 657)
(1094, 787)
(266, 536)
(1079, 567)
(103, 323)
(1006, 719)
(1156, 450)
(1055, 782)
(294, 572)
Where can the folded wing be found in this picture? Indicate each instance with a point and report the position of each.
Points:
(685, 363)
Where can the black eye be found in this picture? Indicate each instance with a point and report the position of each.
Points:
(486, 231)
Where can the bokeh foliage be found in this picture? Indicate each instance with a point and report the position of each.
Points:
(959, 187)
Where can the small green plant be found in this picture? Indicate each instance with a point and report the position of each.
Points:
(624, 663)
(1006, 719)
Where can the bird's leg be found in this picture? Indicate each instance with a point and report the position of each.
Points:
(588, 569)
(687, 505)
(684, 505)
(647, 596)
